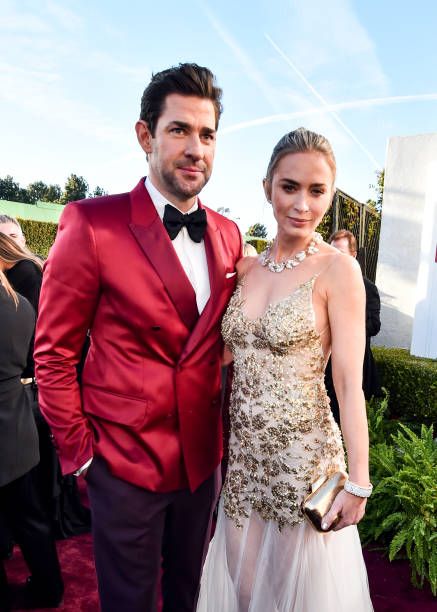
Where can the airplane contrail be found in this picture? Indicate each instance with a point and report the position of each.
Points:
(324, 102)
(320, 110)
(240, 55)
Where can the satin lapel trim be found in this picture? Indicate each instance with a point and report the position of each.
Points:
(216, 271)
(157, 247)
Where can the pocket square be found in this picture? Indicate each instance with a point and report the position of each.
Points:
(230, 274)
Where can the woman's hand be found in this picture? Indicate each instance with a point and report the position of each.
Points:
(349, 507)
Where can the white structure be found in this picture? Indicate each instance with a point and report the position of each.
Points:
(407, 266)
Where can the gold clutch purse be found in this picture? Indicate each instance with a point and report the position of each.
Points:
(319, 501)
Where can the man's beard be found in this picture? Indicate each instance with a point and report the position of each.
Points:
(183, 192)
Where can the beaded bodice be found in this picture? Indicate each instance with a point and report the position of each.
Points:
(283, 436)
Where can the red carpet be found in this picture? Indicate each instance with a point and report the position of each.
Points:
(389, 582)
(390, 585)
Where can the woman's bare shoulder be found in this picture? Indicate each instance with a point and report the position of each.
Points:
(337, 263)
(245, 264)
(345, 265)
(342, 277)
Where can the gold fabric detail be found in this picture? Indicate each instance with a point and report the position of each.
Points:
(283, 435)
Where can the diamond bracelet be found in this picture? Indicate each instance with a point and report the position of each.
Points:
(356, 490)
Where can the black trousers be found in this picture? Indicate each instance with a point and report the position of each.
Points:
(134, 528)
(23, 514)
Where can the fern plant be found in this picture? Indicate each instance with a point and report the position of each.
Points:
(402, 512)
(376, 418)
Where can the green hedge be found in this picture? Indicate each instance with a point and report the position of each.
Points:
(259, 243)
(411, 383)
(40, 235)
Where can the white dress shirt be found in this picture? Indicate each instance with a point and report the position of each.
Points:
(191, 254)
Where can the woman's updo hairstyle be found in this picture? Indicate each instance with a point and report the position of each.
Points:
(300, 141)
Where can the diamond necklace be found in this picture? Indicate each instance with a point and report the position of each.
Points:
(268, 261)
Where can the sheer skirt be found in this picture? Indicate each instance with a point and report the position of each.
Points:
(258, 568)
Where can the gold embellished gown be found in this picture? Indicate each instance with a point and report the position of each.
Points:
(264, 557)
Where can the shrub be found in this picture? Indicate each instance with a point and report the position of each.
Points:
(411, 383)
(402, 511)
(40, 235)
(259, 243)
(325, 227)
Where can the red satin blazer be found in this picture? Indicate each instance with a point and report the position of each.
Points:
(149, 401)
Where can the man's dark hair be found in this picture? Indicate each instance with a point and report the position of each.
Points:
(185, 80)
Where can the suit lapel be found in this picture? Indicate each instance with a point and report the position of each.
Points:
(216, 271)
(148, 230)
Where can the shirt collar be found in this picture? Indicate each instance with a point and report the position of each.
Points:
(159, 201)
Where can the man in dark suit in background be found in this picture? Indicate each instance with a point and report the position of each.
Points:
(150, 274)
(345, 241)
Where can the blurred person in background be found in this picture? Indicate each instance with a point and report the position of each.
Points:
(345, 242)
(59, 494)
(24, 272)
(10, 227)
(20, 505)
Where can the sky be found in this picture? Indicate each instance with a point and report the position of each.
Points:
(72, 74)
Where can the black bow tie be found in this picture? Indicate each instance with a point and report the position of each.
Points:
(195, 222)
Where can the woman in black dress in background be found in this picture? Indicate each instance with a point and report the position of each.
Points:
(20, 506)
(60, 495)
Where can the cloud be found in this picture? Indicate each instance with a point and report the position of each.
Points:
(334, 115)
(22, 22)
(327, 38)
(104, 61)
(39, 94)
(241, 56)
(64, 16)
(320, 110)
(36, 70)
(10, 73)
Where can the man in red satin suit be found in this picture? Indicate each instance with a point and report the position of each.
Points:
(149, 273)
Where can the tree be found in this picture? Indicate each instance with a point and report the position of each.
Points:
(76, 188)
(379, 191)
(40, 192)
(53, 193)
(10, 190)
(36, 191)
(99, 191)
(257, 230)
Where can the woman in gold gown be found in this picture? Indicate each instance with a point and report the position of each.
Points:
(294, 305)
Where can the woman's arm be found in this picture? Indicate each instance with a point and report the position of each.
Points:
(346, 311)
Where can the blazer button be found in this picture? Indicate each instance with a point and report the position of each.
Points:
(156, 327)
